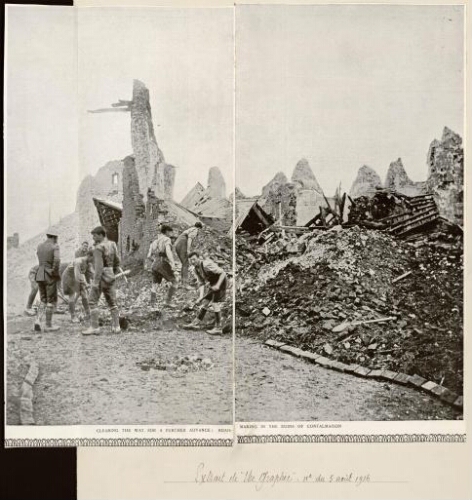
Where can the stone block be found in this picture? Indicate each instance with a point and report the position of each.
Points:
(439, 390)
(321, 360)
(362, 371)
(375, 374)
(340, 367)
(429, 386)
(417, 381)
(402, 378)
(448, 396)
(388, 375)
(309, 356)
(352, 368)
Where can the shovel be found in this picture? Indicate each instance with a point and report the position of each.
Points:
(344, 326)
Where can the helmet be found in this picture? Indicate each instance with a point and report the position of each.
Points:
(52, 232)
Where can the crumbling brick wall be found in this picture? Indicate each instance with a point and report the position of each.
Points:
(133, 215)
(150, 163)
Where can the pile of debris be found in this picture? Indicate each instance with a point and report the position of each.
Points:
(349, 276)
(179, 365)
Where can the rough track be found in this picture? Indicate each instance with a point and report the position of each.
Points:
(273, 386)
(95, 381)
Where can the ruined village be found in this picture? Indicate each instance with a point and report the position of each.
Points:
(360, 290)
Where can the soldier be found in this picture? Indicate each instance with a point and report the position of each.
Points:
(208, 272)
(106, 264)
(29, 311)
(74, 284)
(47, 276)
(183, 248)
(83, 250)
(160, 261)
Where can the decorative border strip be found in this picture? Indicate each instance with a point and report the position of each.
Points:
(135, 442)
(352, 438)
(414, 381)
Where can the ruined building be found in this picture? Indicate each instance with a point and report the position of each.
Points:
(398, 180)
(143, 197)
(210, 204)
(293, 203)
(107, 184)
(445, 180)
(366, 183)
(446, 175)
(153, 172)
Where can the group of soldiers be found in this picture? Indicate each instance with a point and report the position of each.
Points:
(211, 279)
(94, 271)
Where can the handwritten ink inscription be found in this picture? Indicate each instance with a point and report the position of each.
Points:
(206, 475)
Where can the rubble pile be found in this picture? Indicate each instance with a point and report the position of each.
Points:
(354, 275)
(179, 365)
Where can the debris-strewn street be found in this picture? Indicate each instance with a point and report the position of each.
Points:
(361, 296)
(96, 380)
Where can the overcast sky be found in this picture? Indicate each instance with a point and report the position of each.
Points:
(344, 86)
(185, 58)
(41, 103)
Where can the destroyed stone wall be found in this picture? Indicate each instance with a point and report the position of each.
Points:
(304, 178)
(398, 180)
(216, 183)
(297, 201)
(446, 175)
(192, 197)
(107, 183)
(366, 182)
(308, 205)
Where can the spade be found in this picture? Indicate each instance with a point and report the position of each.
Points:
(346, 324)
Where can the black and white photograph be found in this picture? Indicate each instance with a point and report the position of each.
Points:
(229, 223)
(349, 213)
(119, 181)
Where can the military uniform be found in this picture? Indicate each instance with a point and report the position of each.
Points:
(181, 247)
(209, 272)
(161, 267)
(74, 284)
(106, 263)
(48, 272)
(34, 285)
(47, 276)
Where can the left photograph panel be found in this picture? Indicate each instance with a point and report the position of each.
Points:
(118, 203)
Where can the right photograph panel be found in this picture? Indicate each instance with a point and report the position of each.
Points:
(349, 221)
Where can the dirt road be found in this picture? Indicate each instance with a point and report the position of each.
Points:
(274, 386)
(95, 380)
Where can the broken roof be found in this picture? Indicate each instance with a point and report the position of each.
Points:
(109, 213)
(251, 216)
